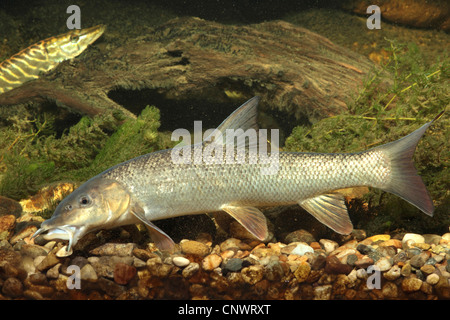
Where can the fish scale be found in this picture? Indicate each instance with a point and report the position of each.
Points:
(158, 185)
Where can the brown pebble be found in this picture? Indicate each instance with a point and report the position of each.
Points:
(210, 262)
(123, 273)
(12, 287)
(334, 266)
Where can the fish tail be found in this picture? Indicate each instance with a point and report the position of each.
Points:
(404, 180)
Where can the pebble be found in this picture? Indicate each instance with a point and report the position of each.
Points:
(328, 245)
(190, 270)
(432, 279)
(212, 261)
(12, 287)
(180, 261)
(123, 273)
(194, 247)
(252, 274)
(393, 273)
(88, 273)
(411, 284)
(301, 249)
(416, 238)
(384, 264)
(233, 265)
(114, 249)
(302, 272)
(300, 236)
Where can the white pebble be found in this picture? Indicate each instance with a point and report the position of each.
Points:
(432, 279)
(301, 249)
(180, 261)
(417, 238)
(63, 252)
(329, 245)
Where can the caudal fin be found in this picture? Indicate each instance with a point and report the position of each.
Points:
(404, 181)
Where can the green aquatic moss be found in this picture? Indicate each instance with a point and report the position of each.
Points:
(33, 156)
(418, 91)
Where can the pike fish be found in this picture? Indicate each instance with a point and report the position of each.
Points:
(44, 56)
(153, 186)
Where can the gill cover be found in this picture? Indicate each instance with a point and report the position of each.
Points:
(98, 204)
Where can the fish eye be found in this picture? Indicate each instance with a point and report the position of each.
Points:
(85, 201)
(74, 38)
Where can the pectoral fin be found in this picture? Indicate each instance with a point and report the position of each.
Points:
(159, 237)
(330, 209)
(250, 218)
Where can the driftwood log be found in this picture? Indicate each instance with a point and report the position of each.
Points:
(294, 70)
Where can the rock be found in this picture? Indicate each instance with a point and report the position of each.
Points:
(364, 249)
(416, 238)
(88, 273)
(210, 262)
(334, 266)
(328, 245)
(392, 243)
(230, 244)
(190, 270)
(446, 236)
(114, 249)
(364, 262)
(180, 261)
(49, 261)
(123, 273)
(110, 287)
(322, 292)
(32, 250)
(422, 246)
(9, 207)
(252, 274)
(274, 270)
(194, 247)
(422, 14)
(389, 290)
(23, 233)
(12, 287)
(406, 270)
(411, 284)
(400, 257)
(232, 265)
(384, 264)
(418, 260)
(432, 279)
(53, 272)
(427, 269)
(104, 266)
(393, 273)
(432, 238)
(302, 272)
(63, 252)
(379, 237)
(7, 223)
(301, 249)
(318, 262)
(300, 236)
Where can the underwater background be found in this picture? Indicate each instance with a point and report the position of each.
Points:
(327, 81)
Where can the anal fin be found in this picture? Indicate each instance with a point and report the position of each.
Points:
(250, 218)
(330, 209)
(159, 237)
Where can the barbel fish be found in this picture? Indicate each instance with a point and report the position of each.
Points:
(45, 55)
(153, 186)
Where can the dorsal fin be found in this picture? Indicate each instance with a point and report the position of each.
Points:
(244, 117)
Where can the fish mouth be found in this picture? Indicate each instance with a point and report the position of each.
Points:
(70, 233)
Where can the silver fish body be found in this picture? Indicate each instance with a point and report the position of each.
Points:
(154, 186)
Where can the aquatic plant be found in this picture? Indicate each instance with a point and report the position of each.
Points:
(384, 111)
(31, 154)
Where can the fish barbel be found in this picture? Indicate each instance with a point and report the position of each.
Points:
(45, 55)
(153, 186)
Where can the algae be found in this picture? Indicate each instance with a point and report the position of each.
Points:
(32, 155)
(378, 114)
